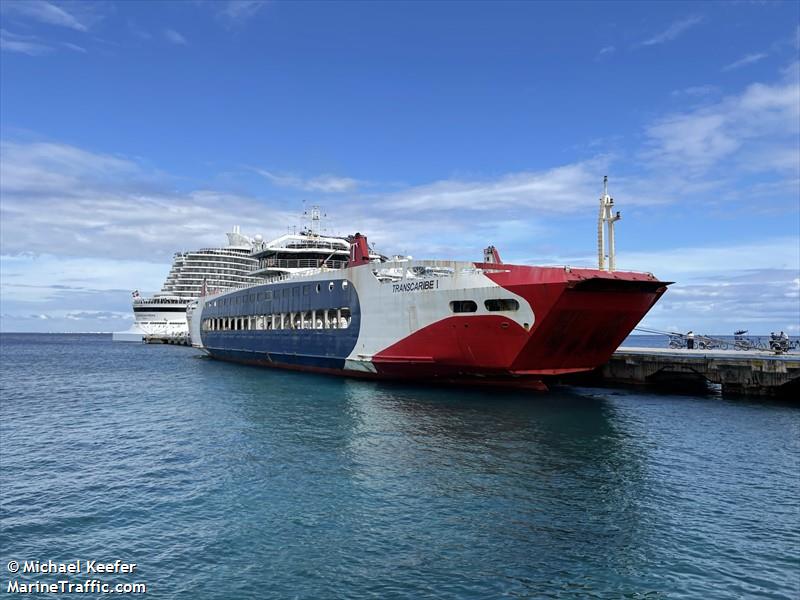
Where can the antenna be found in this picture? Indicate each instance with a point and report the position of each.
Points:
(315, 219)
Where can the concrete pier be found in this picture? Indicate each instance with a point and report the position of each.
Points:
(752, 372)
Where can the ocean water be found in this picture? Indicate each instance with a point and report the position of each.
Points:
(224, 481)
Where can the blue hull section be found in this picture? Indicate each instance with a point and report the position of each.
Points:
(311, 348)
(316, 348)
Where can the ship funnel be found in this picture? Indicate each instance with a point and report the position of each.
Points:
(491, 255)
(359, 251)
(238, 240)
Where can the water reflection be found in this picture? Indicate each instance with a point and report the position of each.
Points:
(556, 472)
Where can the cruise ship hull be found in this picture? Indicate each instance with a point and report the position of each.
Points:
(451, 322)
(156, 318)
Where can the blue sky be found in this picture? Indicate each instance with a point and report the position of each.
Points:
(133, 130)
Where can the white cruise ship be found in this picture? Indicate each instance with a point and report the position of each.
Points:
(192, 274)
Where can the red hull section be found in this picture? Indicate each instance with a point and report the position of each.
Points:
(582, 316)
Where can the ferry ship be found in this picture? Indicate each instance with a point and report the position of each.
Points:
(443, 321)
(192, 272)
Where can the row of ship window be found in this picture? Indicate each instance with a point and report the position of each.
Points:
(268, 295)
(330, 318)
(493, 305)
(201, 269)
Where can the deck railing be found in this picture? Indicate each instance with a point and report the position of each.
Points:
(301, 263)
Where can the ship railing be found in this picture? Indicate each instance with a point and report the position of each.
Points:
(295, 245)
(301, 263)
(318, 244)
(156, 300)
(268, 280)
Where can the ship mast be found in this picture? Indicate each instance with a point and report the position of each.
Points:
(315, 216)
(605, 221)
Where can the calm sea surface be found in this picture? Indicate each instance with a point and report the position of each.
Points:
(222, 481)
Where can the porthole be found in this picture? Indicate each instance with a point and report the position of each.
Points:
(330, 286)
(318, 288)
(344, 285)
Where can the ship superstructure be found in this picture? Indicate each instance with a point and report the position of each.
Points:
(300, 252)
(296, 253)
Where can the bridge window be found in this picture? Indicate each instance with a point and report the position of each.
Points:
(501, 304)
(463, 306)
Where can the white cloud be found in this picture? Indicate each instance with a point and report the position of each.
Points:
(42, 167)
(239, 11)
(23, 44)
(49, 278)
(174, 37)
(673, 31)
(726, 287)
(745, 60)
(136, 31)
(694, 261)
(605, 51)
(101, 315)
(696, 91)
(45, 12)
(75, 47)
(763, 114)
(69, 294)
(561, 189)
(322, 183)
(60, 197)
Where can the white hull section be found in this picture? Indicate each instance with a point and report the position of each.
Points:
(394, 310)
(162, 322)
